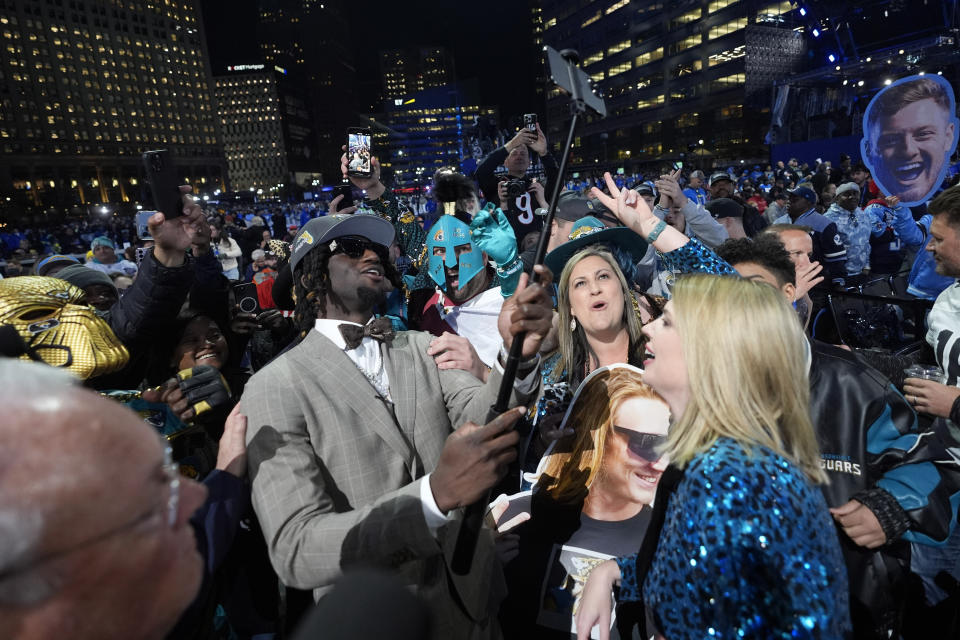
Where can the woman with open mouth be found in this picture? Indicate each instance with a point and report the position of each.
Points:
(741, 543)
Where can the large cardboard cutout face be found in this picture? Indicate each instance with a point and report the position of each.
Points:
(910, 131)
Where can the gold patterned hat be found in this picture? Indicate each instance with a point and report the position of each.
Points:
(58, 327)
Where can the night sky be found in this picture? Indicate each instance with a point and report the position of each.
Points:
(490, 41)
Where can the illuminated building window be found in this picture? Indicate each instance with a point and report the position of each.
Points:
(686, 43)
(649, 56)
(618, 69)
(617, 48)
(726, 29)
(596, 77)
(727, 82)
(773, 12)
(728, 55)
(716, 5)
(650, 102)
(686, 18)
(615, 6)
(591, 19)
(552, 22)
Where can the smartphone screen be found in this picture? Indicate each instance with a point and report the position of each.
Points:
(358, 152)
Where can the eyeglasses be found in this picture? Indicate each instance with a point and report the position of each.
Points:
(170, 469)
(645, 445)
(355, 246)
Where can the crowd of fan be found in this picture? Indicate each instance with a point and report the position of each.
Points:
(320, 379)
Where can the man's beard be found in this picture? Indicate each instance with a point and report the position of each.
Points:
(371, 298)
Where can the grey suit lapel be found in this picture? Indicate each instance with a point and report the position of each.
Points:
(403, 383)
(342, 381)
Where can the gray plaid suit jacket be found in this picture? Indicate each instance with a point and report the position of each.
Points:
(335, 473)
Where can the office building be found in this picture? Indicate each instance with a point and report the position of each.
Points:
(311, 40)
(86, 87)
(421, 132)
(268, 137)
(407, 71)
(674, 75)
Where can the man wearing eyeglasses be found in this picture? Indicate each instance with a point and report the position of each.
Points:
(361, 449)
(95, 539)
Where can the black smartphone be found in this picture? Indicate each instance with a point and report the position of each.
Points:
(246, 295)
(164, 184)
(530, 122)
(346, 191)
(359, 158)
(143, 229)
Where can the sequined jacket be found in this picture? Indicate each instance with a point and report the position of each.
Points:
(747, 549)
(411, 237)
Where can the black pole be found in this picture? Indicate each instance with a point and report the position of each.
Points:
(473, 515)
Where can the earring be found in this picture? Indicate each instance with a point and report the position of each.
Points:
(573, 324)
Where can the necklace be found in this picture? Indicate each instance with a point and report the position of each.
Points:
(376, 379)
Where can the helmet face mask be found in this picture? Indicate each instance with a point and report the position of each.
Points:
(448, 233)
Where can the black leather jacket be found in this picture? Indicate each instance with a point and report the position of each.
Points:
(874, 452)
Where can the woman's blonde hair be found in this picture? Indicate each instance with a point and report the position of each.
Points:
(573, 345)
(577, 460)
(746, 359)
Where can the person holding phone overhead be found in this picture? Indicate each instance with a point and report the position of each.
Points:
(521, 202)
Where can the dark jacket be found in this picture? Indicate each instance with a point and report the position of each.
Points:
(874, 452)
(523, 221)
(144, 315)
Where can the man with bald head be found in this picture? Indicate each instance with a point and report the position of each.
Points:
(95, 539)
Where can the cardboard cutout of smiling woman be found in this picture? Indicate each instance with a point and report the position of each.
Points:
(910, 131)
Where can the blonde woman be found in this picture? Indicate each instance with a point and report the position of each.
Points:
(591, 502)
(747, 546)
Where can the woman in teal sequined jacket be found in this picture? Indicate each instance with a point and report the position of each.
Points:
(741, 543)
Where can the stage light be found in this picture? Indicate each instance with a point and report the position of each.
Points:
(816, 32)
(845, 82)
(887, 82)
(833, 58)
(939, 73)
(803, 11)
(860, 84)
(869, 58)
(901, 51)
(838, 68)
(922, 73)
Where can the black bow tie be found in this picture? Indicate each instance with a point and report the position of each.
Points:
(380, 329)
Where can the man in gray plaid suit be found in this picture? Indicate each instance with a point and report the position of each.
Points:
(361, 450)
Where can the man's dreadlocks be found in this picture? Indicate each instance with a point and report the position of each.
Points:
(310, 281)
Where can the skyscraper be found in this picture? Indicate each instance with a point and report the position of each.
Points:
(407, 71)
(311, 40)
(673, 74)
(268, 136)
(85, 87)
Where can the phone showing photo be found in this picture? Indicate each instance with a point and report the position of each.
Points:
(359, 158)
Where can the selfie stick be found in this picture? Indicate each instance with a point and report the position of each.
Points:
(473, 514)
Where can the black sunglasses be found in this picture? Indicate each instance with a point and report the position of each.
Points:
(355, 246)
(645, 445)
